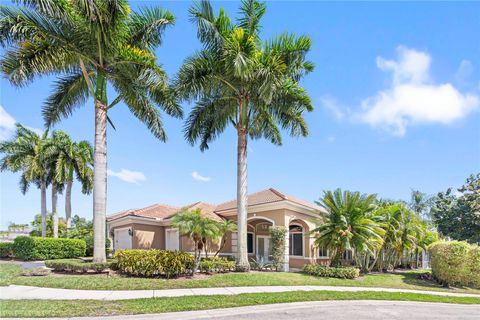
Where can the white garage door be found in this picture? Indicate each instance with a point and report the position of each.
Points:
(122, 239)
(172, 239)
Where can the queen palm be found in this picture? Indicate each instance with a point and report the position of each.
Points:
(237, 79)
(74, 160)
(349, 224)
(29, 153)
(88, 44)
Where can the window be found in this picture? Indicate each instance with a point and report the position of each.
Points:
(250, 242)
(296, 240)
(347, 255)
(323, 252)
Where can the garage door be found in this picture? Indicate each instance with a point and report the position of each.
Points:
(122, 239)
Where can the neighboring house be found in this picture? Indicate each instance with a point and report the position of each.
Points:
(150, 227)
(13, 232)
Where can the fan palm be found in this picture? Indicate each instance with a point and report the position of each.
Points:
(238, 79)
(349, 224)
(225, 227)
(75, 159)
(29, 153)
(89, 44)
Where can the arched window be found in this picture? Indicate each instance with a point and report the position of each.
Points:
(296, 240)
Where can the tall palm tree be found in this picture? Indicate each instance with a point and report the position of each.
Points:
(29, 153)
(88, 44)
(349, 224)
(75, 159)
(237, 79)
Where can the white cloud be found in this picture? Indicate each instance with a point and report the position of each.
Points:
(128, 176)
(198, 177)
(332, 106)
(331, 139)
(413, 98)
(7, 125)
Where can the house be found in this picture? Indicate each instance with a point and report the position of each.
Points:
(151, 227)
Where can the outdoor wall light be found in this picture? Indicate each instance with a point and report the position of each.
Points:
(130, 233)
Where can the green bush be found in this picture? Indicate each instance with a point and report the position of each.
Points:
(216, 264)
(35, 248)
(6, 249)
(278, 235)
(78, 265)
(148, 263)
(331, 272)
(455, 263)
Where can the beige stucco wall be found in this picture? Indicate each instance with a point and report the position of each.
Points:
(145, 236)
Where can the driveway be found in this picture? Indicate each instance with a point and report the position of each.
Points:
(338, 310)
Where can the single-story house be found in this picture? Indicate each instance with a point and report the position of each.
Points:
(150, 227)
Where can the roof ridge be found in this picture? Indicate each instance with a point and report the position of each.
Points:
(278, 193)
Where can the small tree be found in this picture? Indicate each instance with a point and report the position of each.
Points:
(278, 235)
(198, 228)
(225, 227)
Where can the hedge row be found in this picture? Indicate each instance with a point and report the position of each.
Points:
(36, 248)
(78, 265)
(216, 264)
(331, 272)
(455, 263)
(6, 249)
(148, 263)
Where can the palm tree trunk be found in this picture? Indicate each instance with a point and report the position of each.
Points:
(242, 204)
(43, 196)
(54, 210)
(100, 171)
(68, 204)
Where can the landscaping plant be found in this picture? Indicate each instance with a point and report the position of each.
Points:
(331, 272)
(78, 265)
(35, 248)
(278, 235)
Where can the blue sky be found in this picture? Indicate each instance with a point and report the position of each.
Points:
(397, 98)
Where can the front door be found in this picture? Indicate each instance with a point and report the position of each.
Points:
(264, 248)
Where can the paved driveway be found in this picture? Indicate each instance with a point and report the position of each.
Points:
(338, 310)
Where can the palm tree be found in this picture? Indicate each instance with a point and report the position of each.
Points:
(199, 229)
(349, 224)
(74, 159)
(29, 153)
(238, 79)
(88, 44)
(225, 227)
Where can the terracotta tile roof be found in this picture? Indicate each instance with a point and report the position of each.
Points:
(165, 211)
(153, 211)
(267, 196)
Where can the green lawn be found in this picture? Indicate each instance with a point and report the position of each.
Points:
(9, 274)
(43, 308)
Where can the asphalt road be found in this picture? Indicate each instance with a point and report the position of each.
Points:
(341, 310)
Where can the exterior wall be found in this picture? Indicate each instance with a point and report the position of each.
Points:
(145, 236)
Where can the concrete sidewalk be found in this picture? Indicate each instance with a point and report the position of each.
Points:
(14, 292)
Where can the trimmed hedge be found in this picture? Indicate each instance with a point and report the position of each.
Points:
(36, 248)
(148, 263)
(78, 265)
(455, 263)
(216, 264)
(331, 272)
(6, 249)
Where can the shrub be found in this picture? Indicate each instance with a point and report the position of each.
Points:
(6, 249)
(78, 265)
(216, 264)
(278, 235)
(331, 272)
(154, 262)
(89, 242)
(455, 263)
(35, 248)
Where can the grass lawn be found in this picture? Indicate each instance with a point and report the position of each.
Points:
(9, 274)
(43, 308)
